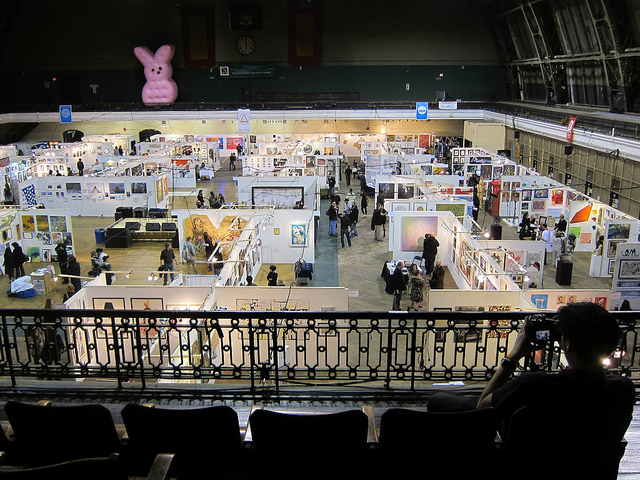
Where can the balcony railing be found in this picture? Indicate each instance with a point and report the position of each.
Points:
(387, 351)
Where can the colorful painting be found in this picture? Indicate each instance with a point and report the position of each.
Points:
(613, 248)
(413, 230)
(28, 223)
(538, 204)
(42, 223)
(96, 188)
(147, 304)
(540, 193)
(58, 223)
(233, 142)
(618, 230)
(557, 197)
(138, 187)
(73, 187)
(540, 300)
(456, 208)
(298, 234)
(585, 237)
(116, 188)
(405, 191)
(387, 190)
(33, 253)
(602, 301)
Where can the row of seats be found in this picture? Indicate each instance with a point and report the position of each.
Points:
(209, 443)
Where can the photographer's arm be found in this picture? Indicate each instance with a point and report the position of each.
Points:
(520, 349)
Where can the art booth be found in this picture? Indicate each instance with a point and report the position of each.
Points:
(280, 192)
(95, 196)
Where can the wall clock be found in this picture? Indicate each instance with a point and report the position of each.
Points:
(245, 45)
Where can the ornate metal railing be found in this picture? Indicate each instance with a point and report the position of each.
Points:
(385, 350)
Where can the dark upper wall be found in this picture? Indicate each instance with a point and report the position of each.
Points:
(374, 48)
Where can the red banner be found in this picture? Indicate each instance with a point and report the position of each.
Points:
(199, 34)
(305, 33)
(570, 125)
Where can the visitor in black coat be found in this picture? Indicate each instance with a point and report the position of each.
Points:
(18, 260)
(73, 268)
(8, 262)
(429, 250)
(63, 258)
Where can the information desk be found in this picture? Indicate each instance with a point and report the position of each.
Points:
(304, 272)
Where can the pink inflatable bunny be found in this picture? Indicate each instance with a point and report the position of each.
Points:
(160, 88)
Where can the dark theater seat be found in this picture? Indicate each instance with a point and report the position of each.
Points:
(206, 441)
(60, 433)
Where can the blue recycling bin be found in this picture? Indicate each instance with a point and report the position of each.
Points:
(99, 235)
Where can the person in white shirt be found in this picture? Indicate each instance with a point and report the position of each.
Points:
(545, 235)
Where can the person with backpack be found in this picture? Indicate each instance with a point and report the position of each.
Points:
(189, 255)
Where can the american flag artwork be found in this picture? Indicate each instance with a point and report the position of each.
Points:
(29, 194)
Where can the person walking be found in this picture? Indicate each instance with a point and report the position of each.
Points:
(345, 225)
(189, 255)
(347, 174)
(364, 203)
(353, 215)
(430, 246)
(80, 166)
(167, 257)
(63, 258)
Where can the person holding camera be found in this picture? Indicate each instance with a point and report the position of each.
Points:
(589, 410)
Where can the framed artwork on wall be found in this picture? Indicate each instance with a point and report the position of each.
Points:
(298, 237)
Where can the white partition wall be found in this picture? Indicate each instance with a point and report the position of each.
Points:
(95, 196)
(281, 192)
(286, 297)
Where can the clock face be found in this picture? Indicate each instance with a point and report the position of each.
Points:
(245, 45)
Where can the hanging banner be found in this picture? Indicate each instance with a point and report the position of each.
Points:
(305, 33)
(570, 125)
(244, 120)
(65, 114)
(422, 110)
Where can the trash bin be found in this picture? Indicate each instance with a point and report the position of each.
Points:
(99, 235)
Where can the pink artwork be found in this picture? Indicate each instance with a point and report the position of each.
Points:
(160, 88)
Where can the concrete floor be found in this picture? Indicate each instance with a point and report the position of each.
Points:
(357, 267)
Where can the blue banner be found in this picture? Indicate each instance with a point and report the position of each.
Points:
(65, 114)
(422, 110)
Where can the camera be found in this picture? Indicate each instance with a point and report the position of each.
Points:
(541, 330)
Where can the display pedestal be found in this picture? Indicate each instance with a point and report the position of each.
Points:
(563, 272)
(595, 267)
(496, 231)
